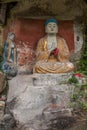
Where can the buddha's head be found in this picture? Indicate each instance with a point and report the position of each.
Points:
(11, 36)
(51, 26)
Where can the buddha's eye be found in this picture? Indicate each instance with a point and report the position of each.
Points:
(49, 26)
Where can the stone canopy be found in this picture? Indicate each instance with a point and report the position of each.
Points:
(64, 9)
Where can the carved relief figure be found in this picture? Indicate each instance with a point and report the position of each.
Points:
(52, 52)
(10, 55)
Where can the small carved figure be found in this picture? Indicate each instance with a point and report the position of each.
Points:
(10, 55)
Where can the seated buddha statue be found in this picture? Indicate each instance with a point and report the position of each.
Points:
(52, 53)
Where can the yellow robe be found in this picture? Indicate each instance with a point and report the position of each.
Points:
(47, 63)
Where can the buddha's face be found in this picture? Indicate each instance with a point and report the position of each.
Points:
(51, 28)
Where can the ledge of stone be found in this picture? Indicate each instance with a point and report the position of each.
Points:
(29, 95)
(50, 79)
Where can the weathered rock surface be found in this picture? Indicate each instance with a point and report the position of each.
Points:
(39, 96)
(7, 122)
(2, 82)
(57, 123)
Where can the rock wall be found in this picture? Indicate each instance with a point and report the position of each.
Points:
(63, 9)
(31, 96)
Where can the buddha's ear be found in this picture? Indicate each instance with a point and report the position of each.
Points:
(56, 30)
(46, 29)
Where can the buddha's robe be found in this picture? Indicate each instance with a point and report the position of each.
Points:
(48, 63)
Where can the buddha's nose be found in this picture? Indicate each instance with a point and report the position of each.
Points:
(51, 29)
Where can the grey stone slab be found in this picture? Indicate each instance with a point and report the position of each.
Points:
(29, 95)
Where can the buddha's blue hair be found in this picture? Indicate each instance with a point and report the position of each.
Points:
(51, 20)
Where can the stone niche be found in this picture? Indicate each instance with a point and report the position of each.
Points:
(29, 31)
(28, 25)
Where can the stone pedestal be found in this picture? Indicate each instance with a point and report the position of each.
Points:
(30, 96)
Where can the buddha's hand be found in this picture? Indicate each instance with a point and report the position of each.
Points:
(55, 52)
(51, 50)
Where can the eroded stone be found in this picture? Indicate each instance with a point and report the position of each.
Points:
(28, 98)
(2, 82)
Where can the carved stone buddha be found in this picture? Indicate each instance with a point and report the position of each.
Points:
(52, 53)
